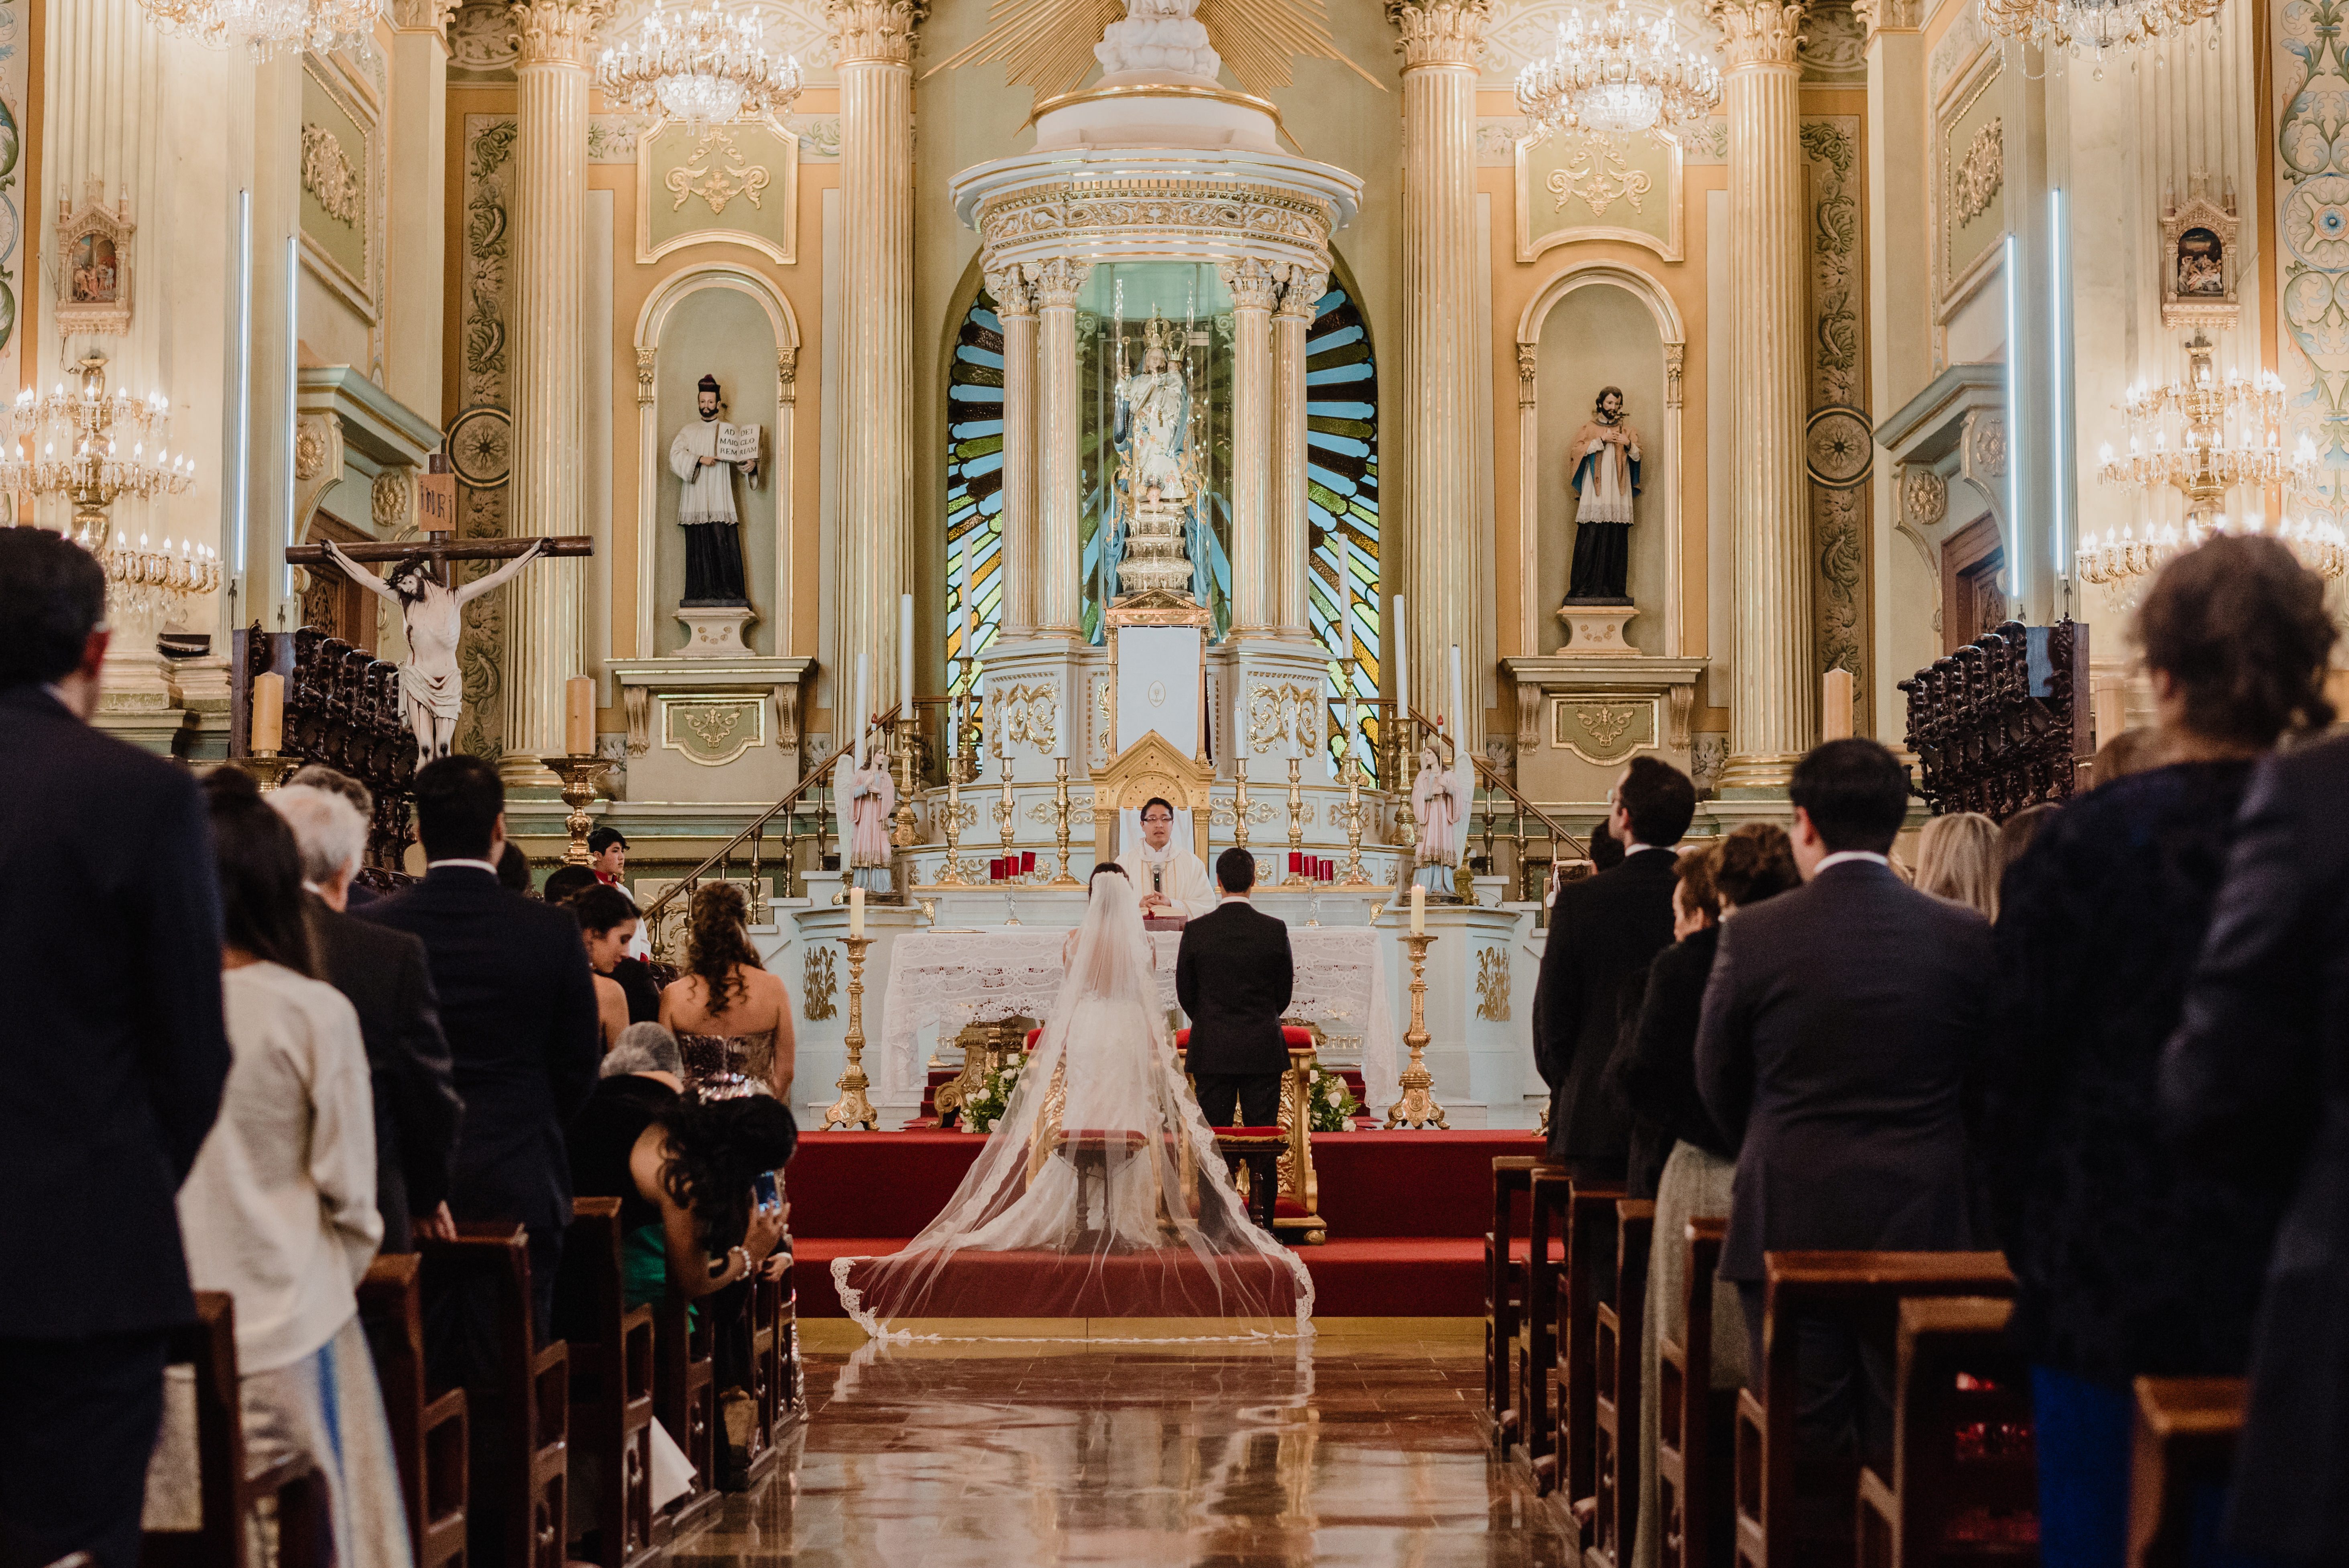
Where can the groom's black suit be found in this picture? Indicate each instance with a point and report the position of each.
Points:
(1233, 977)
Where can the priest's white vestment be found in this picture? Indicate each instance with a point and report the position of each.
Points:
(1174, 871)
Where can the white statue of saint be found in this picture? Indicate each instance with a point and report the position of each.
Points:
(868, 797)
(431, 687)
(704, 456)
(1440, 801)
(1153, 418)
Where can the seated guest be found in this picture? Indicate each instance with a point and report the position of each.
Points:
(1603, 930)
(1658, 1079)
(2014, 839)
(382, 972)
(607, 922)
(279, 1211)
(632, 975)
(2127, 1265)
(729, 1015)
(1954, 860)
(1838, 1026)
(2130, 751)
(335, 781)
(646, 1048)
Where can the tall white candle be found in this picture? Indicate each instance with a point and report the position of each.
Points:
(1419, 909)
(970, 596)
(840, 772)
(1400, 656)
(1240, 717)
(856, 911)
(905, 656)
(864, 706)
(1453, 721)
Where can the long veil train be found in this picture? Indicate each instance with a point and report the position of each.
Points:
(1099, 1193)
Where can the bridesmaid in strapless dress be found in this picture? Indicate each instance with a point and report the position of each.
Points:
(728, 1015)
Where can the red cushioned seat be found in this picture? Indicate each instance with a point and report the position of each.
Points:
(1292, 1037)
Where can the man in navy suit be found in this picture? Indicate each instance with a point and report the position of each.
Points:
(112, 1059)
(1233, 977)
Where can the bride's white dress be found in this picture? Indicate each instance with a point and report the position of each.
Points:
(1099, 1193)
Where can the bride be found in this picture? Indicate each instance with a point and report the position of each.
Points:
(1100, 1192)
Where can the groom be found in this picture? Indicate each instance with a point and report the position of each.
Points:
(1232, 977)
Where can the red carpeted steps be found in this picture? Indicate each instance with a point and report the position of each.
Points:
(1407, 1211)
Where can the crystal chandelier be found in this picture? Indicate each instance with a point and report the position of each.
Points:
(704, 68)
(2231, 435)
(1617, 77)
(2124, 559)
(148, 582)
(92, 448)
(2096, 28)
(271, 27)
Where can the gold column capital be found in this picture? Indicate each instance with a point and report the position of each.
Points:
(1889, 16)
(1758, 32)
(558, 32)
(1057, 283)
(1252, 284)
(1011, 292)
(1439, 32)
(1301, 299)
(423, 15)
(875, 31)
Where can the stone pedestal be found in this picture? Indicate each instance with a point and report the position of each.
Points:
(806, 950)
(1597, 629)
(1480, 996)
(712, 729)
(715, 631)
(1582, 715)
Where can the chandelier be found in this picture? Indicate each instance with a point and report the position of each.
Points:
(1617, 77)
(91, 446)
(2124, 559)
(271, 27)
(703, 68)
(2096, 28)
(150, 582)
(2231, 435)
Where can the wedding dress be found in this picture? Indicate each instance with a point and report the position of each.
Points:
(1100, 1192)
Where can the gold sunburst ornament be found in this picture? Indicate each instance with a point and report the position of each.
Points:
(1047, 45)
(702, 66)
(1616, 76)
(270, 28)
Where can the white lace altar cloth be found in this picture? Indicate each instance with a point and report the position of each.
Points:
(953, 978)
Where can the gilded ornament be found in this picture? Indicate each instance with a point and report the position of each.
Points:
(1980, 174)
(329, 177)
(1600, 178)
(558, 32)
(1606, 721)
(391, 499)
(309, 450)
(1031, 717)
(717, 170)
(1989, 447)
(1758, 32)
(881, 31)
(1925, 497)
(819, 983)
(1440, 32)
(1492, 985)
(1840, 448)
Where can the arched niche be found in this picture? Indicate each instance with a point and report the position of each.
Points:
(1597, 324)
(732, 323)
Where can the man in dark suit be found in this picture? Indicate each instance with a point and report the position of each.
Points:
(383, 972)
(1838, 1026)
(2255, 1087)
(516, 1003)
(1234, 976)
(113, 1059)
(1603, 930)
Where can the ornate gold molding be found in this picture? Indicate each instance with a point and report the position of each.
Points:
(1675, 363)
(558, 32)
(787, 375)
(1300, 297)
(1009, 288)
(1980, 174)
(1529, 363)
(1889, 15)
(1031, 717)
(644, 360)
(1439, 32)
(878, 31)
(1157, 209)
(327, 175)
(1758, 32)
(1254, 284)
(1492, 985)
(1057, 282)
(819, 982)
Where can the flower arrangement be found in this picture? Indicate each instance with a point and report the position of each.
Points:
(1333, 1100)
(982, 1110)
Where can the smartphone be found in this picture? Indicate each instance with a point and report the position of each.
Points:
(770, 1196)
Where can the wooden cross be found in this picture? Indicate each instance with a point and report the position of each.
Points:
(440, 547)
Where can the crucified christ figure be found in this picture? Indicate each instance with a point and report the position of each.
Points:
(431, 688)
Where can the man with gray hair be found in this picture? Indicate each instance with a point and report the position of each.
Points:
(643, 1049)
(384, 974)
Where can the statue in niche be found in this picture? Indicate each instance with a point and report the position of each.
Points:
(1606, 477)
(704, 456)
(1154, 420)
(2202, 265)
(1440, 801)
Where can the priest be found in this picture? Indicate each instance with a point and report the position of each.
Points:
(1174, 880)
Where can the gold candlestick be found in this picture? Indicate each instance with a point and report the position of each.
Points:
(904, 830)
(1061, 822)
(1406, 766)
(1355, 877)
(957, 872)
(269, 768)
(853, 1110)
(1296, 825)
(578, 775)
(1239, 802)
(1006, 809)
(1417, 1108)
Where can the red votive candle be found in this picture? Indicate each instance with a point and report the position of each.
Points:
(1026, 862)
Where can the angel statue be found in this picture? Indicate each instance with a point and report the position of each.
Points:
(868, 798)
(1439, 799)
(431, 687)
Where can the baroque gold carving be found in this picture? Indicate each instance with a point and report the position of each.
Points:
(1528, 362)
(876, 30)
(309, 449)
(1606, 722)
(1492, 985)
(718, 170)
(1980, 174)
(1032, 716)
(327, 175)
(819, 983)
(1439, 32)
(1758, 32)
(1282, 711)
(1252, 283)
(391, 500)
(558, 32)
(1161, 209)
(645, 366)
(1057, 282)
(1925, 497)
(1598, 175)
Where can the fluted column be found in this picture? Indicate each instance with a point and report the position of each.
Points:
(1440, 41)
(876, 47)
(1291, 534)
(1060, 565)
(1254, 589)
(546, 642)
(1774, 709)
(1015, 307)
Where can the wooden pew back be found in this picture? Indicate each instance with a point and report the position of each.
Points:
(1549, 1198)
(1615, 1391)
(1963, 1484)
(612, 1357)
(685, 1396)
(1585, 1279)
(2187, 1429)
(428, 1433)
(1696, 1430)
(1504, 1291)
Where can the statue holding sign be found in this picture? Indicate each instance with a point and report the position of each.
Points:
(705, 455)
(1606, 459)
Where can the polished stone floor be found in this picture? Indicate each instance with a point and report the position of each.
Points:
(1366, 1448)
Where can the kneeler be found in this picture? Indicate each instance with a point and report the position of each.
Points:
(1296, 1202)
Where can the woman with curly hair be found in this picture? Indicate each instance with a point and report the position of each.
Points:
(2128, 1265)
(729, 1015)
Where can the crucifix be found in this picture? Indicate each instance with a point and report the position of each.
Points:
(431, 687)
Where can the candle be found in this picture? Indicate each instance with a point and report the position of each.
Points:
(1419, 909)
(268, 731)
(578, 716)
(856, 911)
(905, 656)
(969, 597)
(863, 713)
(1239, 717)
(840, 809)
(1400, 654)
(1453, 720)
(1834, 704)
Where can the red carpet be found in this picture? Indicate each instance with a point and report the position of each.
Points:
(1407, 1213)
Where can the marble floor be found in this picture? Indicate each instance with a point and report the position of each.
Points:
(1368, 1447)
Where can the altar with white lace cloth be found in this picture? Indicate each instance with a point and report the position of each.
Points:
(948, 979)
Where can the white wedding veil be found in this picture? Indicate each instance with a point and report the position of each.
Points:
(1099, 1193)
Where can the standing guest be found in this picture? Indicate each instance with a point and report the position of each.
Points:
(2255, 1089)
(513, 870)
(1234, 977)
(1603, 930)
(729, 1015)
(383, 973)
(318, 776)
(633, 976)
(608, 855)
(114, 1056)
(2127, 1265)
(1606, 848)
(280, 1210)
(1839, 1023)
(607, 924)
(1954, 860)
(2015, 836)
(1659, 1081)
(519, 1008)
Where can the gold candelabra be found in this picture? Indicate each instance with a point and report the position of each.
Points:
(1239, 801)
(957, 871)
(1061, 822)
(1355, 877)
(269, 768)
(578, 775)
(1405, 822)
(1417, 1108)
(1006, 818)
(1296, 825)
(853, 1110)
(904, 829)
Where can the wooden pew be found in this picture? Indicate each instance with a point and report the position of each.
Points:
(1585, 1278)
(1548, 1195)
(231, 1483)
(1697, 1423)
(610, 1384)
(1504, 1293)
(2187, 1429)
(518, 1419)
(428, 1431)
(684, 1400)
(1963, 1486)
(1863, 1288)
(1615, 1391)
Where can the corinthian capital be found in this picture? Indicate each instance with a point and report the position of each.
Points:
(423, 15)
(1758, 32)
(1252, 283)
(1301, 296)
(1439, 32)
(1889, 15)
(1011, 292)
(1057, 282)
(876, 29)
(558, 32)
